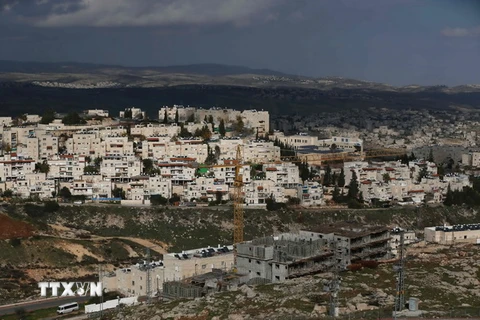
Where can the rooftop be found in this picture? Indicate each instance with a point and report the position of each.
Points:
(347, 229)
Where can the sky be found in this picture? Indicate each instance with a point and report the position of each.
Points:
(400, 42)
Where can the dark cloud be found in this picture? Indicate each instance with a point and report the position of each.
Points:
(121, 13)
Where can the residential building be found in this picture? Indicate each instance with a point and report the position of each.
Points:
(448, 235)
(310, 194)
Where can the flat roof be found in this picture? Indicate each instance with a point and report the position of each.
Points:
(347, 229)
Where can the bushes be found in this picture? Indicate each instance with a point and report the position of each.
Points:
(51, 206)
(354, 267)
(158, 200)
(371, 264)
(15, 242)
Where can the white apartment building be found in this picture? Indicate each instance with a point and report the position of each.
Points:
(205, 189)
(117, 144)
(310, 194)
(177, 172)
(132, 281)
(179, 266)
(260, 151)
(225, 173)
(140, 188)
(258, 191)
(13, 167)
(285, 174)
(97, 113)
(137, 113)
(304, 140)
(85, 143)
(82, 188)
(184, 113)
(155, 130)
(5, 121)
(120, 167)
(257, 120)
(66, 167)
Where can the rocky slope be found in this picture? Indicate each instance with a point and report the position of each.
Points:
(445, 279)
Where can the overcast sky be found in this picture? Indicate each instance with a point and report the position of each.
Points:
(393, 41)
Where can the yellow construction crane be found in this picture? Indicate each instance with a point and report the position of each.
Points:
(238, 204)
(238, 221)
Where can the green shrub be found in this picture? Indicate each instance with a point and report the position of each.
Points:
(15, 242)
(51, 206)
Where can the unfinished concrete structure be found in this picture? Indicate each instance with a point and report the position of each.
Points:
(311, 251)
(197, 286)
(286, 256)
(359, 242)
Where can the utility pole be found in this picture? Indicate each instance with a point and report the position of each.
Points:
(335, 284)
(149, 285)
(400, 269)
(100, 279)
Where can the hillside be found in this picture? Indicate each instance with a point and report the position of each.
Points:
(444, 279)
(75, 240)
(20, 97)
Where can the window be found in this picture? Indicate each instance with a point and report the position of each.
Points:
(277, 278)
(277, 266)
(258, 262)
(204, 266)
(133, 283)
(258, 274)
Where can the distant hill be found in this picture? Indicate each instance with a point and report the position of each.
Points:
(209, 69)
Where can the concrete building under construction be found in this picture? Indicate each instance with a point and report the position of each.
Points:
(311, 251)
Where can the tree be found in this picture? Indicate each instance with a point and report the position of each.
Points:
(42, 167)
(184, 133)
(128, 114)
(211, 159)
(118, 193)
(158, 200)
(333, 147)
(90, 170)
(430, 156)
(238, 126)
(217, 152)
(176, 116)
(327, 177)
(218, 197)
(386, 178)
(51, 206)
(353, 186)
(7, 193)
(65, 193)
(304, 171)
(174, 199)
(422, 173)
(148, 166)
(165, 117)
(97, 161)
(221, 128)
(191, 118)
(341, 179)
(412, 157)
(48, 117)
(72, 118)
(334, 179)
(336, 195)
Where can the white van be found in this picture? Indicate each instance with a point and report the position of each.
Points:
(66, 308)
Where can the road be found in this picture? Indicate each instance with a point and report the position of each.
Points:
(40, 304)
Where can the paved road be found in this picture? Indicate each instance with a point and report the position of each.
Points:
(40, 304)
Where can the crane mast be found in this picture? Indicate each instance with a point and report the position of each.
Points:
(238, 204)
